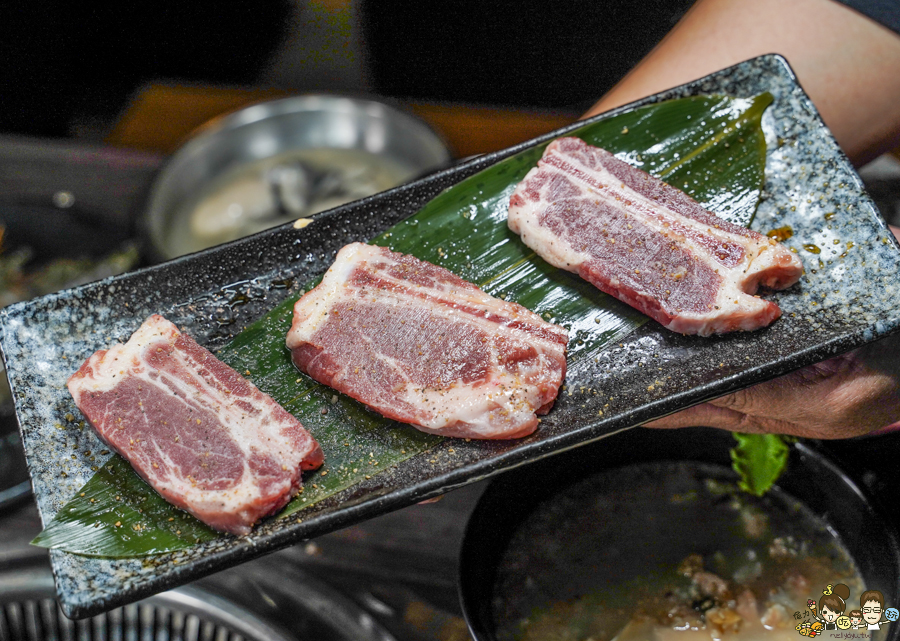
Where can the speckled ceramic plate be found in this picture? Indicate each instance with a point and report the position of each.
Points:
(848, 297)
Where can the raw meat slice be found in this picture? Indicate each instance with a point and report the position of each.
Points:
(205, 438)
(421, 345)
(646, 243)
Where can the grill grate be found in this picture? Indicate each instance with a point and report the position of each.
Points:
(261, 601)
(43, 620)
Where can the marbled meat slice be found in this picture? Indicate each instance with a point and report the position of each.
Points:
(421, 345)
(204, 437)
(646, 243)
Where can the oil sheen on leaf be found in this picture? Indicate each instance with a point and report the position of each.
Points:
(712, 147)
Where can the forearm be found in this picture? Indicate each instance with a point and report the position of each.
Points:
(846, 63)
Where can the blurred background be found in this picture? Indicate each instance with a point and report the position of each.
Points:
(136, 79)
(71, 71)
(94, 98)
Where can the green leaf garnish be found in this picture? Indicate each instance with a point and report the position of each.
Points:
(711, 147)
(759, 459)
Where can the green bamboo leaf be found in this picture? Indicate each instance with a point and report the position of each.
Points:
(712, 147)
(117, 510)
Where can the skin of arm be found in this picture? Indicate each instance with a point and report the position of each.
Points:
(848, 65)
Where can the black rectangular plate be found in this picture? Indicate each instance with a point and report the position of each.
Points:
(847, 298)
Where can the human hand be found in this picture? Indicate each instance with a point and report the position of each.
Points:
(849, 395)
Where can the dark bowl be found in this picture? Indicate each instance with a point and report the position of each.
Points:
(867, 530)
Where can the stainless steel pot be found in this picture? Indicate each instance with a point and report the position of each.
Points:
(303, 148)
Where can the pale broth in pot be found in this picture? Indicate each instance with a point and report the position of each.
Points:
(666, 551)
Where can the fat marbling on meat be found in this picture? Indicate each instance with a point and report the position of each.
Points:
(199, 433)
(647, 243)
(420, 345)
